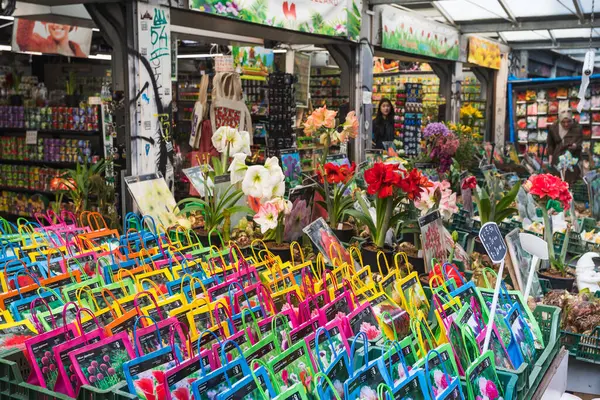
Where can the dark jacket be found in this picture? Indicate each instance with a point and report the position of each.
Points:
(558, 146)
(383, 131)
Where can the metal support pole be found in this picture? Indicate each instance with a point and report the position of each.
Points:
(486, 78)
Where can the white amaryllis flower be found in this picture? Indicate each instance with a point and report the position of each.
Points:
(266, 217)
(274, 190)
(233, 140)
(255, 181)
(243, 145)
(238, 168)
(275, 171)
(218, 138)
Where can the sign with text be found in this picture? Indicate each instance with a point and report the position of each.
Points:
(492, 241)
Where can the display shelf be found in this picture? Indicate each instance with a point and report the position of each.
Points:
(28, 191)
(52, 164)
(50, 131)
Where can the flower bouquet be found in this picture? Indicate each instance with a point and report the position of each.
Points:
(552, 196)
(335, 179)
(389, 186)
(441, 145)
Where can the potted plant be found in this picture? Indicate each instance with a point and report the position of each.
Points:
(339, 178)
(552, 196)
(322, 123)
(71, 99)
(13, 86)
(79, 183)
(217, 207)
(389, 186)
(265, 186)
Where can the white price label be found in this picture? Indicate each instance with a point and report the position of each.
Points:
(31, 137)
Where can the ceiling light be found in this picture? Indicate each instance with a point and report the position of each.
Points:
(95, 30)
(7, 17)
(279, 51)
(199, 55)
(33, 53)
(101, 57)
(5, 47)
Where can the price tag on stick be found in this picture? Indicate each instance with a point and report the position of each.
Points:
(494, 245)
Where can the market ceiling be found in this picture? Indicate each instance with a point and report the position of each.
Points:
(523, 25)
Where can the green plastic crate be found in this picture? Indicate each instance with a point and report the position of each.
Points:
(529, 376)
(15, 369)
(580, 192)
(588, 224)
(588, 348)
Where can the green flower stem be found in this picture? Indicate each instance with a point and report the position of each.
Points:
(548, 233)
(330, 211)
(384, 220)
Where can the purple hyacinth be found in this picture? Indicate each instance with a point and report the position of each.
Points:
(435, 129)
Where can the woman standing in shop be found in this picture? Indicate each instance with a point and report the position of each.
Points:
(565, 135)
(383, 124)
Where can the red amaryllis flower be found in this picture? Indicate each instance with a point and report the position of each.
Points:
(333, 173)
(549, 186)
(146, 385)
(469, 183)
(414, 183)
(381, 179)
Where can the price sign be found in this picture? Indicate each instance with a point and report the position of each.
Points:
(31, 137)
(492, 241)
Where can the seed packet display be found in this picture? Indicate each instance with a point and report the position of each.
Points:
(363, 319)
(438, 374)
(303, 330)
(515, 296)
(340, 306)
(212, 384)
(482, 380)
(178, 380)
(148, 341)
(145, 375)
(364, 382)
(15, 333)
(413, 296)
(400, 319)
(101, 364)
(67, 382)
(39, 349)
(326, 352)
(165, 306)
(501, 355)
(414, 388)
(247, 388)
(521, 336)
(229, 348)
(292, 366)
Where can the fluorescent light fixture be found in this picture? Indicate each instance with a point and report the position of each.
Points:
(199, 55)
(33, 53)
(5, 47)
(101, 57)
(277, 51)
(8, 17)
(95, 29)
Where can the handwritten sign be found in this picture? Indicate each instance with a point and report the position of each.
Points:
(492, 241)
(31, 137)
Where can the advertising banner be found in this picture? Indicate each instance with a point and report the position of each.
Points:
(484, 52)
(412, 34)
(51, 38)
(324, 17)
